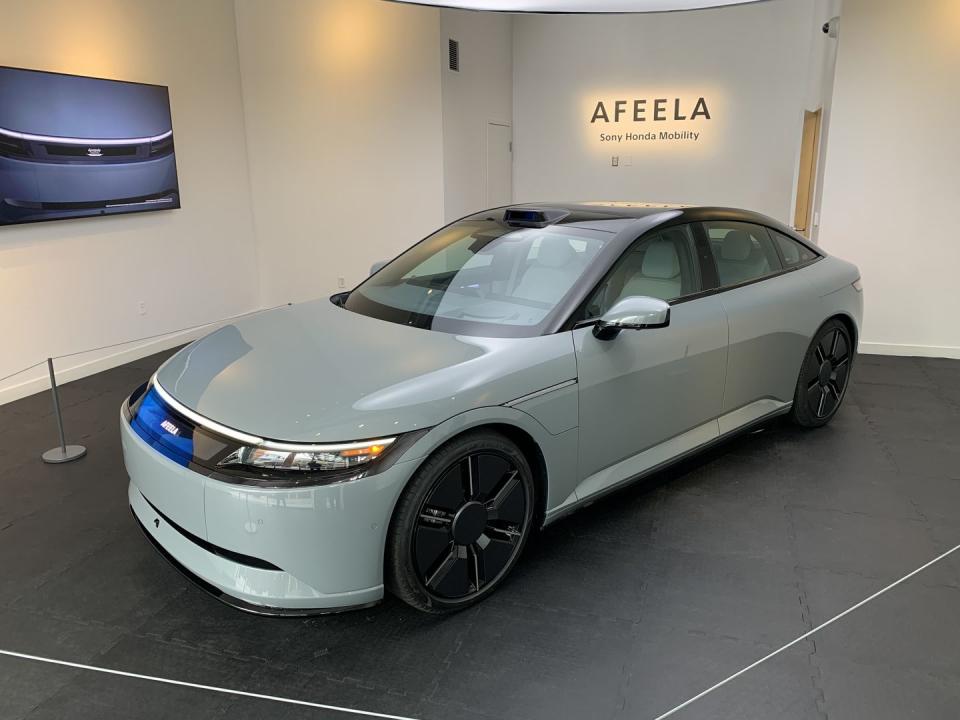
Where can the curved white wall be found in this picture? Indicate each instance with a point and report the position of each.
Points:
(353, 132)
(892, 175)
(74, 284)
(344, 131)
(480, 93)
(750, 62)
(339, 112)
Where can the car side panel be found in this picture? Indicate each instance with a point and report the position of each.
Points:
(833, 278)
(771, 323)
(557, 409)
(847, 302)
(647, 386)
(830, 274)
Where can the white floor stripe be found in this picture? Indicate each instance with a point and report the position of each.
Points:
(368, 713)
(197, 686)
(807, 634)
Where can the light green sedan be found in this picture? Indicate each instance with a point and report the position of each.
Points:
(412, 433)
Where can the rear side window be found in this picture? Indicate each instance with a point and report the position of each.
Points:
(794, 254)
(742, 251)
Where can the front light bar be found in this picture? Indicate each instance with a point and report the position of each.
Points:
(255, 457)
(96, 142)
(200, 419)
(248, 439)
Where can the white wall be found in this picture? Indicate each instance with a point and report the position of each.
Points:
(750, 63)
(823, 54)
(310, 143)
(481, 92)
(892, 176)
(344, 132)
(75, 284)
(342, 118)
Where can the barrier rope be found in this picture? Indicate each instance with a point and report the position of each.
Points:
(31, 367)
(142, 339)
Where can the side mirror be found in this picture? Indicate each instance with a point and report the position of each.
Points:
(377, 266)
(632, 313)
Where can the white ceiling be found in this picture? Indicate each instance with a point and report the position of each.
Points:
(579, 6)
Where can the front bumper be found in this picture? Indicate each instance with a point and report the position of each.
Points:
(272, 551)
(37, 190)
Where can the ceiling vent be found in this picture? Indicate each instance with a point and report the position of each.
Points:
(454, 54)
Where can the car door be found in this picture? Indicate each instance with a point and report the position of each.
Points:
(650, 394)
(769, 328)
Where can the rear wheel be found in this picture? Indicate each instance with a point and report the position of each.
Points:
(823, 376)
(461, 523)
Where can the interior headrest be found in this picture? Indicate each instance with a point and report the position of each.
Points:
(555, 252)
(661, 261)
(736, 245)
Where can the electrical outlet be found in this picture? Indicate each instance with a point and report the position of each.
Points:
(341, 283)
(141, 308)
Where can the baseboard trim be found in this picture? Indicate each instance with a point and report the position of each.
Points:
(935, 351)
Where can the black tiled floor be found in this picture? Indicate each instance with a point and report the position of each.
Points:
(621, 611)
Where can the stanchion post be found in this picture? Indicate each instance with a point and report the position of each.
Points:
(63, 453)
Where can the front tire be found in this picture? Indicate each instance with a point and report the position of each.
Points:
(824, 376)
(461, 523)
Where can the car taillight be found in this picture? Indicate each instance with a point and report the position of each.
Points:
(857, 285)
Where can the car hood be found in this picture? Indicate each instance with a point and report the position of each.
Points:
(315, 372)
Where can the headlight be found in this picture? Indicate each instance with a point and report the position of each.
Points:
(233, 456)
(306, 458)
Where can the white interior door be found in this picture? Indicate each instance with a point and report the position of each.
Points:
(499, 164)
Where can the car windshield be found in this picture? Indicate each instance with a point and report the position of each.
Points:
(481, 277)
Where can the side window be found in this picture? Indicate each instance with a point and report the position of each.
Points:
(742, 251)
(794, 254)
(662, 265)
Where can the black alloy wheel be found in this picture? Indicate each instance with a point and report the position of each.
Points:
(824, 375)
(461, 524)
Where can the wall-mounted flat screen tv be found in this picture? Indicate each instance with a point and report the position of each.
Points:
(74, 146)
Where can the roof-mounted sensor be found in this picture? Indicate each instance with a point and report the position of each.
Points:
(533, 217)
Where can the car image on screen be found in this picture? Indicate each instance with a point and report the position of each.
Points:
(74, 146)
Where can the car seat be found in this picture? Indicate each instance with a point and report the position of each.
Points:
(741, 259)
(553, 272)
(658, 275)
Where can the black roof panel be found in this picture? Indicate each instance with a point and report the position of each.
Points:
(583, 212)
(603, 214)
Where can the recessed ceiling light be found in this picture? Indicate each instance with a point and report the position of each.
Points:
(579, 6)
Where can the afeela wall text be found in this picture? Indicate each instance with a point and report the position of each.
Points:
(74, 146)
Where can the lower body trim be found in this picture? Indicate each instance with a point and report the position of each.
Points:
(237, 603)
(685, 445)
